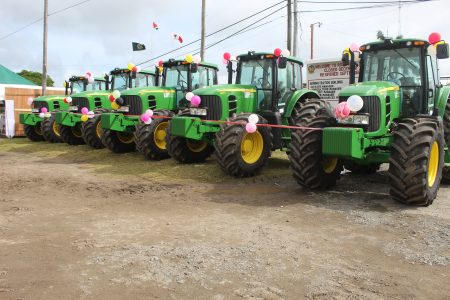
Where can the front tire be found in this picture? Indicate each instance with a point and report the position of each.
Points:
(71, 134)
(446, 170)
(92, 132)
(34, 132)
(311, 168)
(151, 138)
(242, 154)
(118, 142)
(416, 162)
(50, 130)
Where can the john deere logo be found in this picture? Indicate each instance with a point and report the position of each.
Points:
(311, 68)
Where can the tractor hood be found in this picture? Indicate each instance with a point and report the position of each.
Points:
(49, 98)
(370, 88)
(88, 94)
(240, 91)
(148, 90)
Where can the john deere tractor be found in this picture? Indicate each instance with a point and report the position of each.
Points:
(398, 113)
(96, 99)
(266, 85)
(45, 128)
(123, 130)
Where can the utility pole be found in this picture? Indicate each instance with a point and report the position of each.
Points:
(295, 46)
(202, 46)
(312, 37)
(399, 17)
(44, 62)
(289, 24)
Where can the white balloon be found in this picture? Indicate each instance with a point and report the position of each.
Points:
(233, 58)
(355, 103)
(149, 121)
(30, 101)
(116, 94)
(286, 52)
(47, 115)
(253, 118)
(41, 115)
(189, 96)
(138, 69)
(197, 59)
(69, 99)
(91, 79)
(91, 114)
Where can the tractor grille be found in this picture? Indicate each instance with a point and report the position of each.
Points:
(80, 102)
(372, 107)
(213, 106)
(134, 103)
(40, 104)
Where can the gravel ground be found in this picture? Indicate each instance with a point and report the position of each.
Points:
(72, 226)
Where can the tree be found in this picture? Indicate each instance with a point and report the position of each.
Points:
(36, 77)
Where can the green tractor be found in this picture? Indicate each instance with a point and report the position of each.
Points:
(267, 85)
(40, 124)
(76, 131)
(122, 129)
(398, 113)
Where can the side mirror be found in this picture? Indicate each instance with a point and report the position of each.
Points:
(345, 59)
(194, 68)
(442, 51)
(282, 62)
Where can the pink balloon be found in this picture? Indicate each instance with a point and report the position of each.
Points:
(354, 47)
(84, 110)
(277, 52)
(226, 56)
(250, 127)
(196, 100)
(434, 38)
(149, 113)
(145, 118)
(44, 110)
(342, 111)
(30, 101)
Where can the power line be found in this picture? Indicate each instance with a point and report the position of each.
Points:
(213, 33)
(40, 19)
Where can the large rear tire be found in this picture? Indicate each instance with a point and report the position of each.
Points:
(50, 130)
(92, 132)
(416, 162)
(71, 134)
(34, 132)
(239, 153)
(151, 138)
(118, 142)
(446, 170)
(311, 168)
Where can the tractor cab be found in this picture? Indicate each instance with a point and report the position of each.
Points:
(78, 84)
(123, 79)
(185, 77)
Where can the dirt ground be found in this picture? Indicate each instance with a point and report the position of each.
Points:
(80, 223)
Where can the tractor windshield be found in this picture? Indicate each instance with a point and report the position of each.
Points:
(401, 66)
(176, 77)
(258, 73)
(143, 80)
(120, 81)
(77, 86)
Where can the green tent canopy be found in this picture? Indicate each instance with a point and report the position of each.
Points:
(9, 77)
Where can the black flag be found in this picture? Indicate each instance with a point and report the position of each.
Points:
(138, 46)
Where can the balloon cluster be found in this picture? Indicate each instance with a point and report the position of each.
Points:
(147, 116)
(89, 77)
(30, 101)
(278, 52)
(116, 100)
(160, 66)
(194, 99)
(68, 100)
(228, 57)
(196, 59)
(44, 113)
(250, 127)
(86, 114)
(133, 68)
(353, 104)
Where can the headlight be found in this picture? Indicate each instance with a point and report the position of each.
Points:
(356, 120)
(123, 109)
(197, 111)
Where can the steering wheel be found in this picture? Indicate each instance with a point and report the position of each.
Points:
(263, 83)
(391, 73)
(183, 84)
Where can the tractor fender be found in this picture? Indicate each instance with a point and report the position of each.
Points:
(299, 96)
(444, 97)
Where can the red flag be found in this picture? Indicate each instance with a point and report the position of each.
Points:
(178, 37)
(155, 26)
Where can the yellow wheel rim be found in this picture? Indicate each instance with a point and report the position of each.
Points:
(252, 146)
(76, 131)
(99, 129)
(125, 137)
(159, 136)
(55, 128)
(196, 146)
(433, 164)
(329, 164)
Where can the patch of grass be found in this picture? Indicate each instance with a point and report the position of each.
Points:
(135, 165)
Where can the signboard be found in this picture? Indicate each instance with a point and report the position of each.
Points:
(327, 77)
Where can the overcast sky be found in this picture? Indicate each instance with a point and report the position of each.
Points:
(96, 36)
